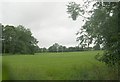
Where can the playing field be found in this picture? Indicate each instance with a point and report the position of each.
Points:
(55, 66)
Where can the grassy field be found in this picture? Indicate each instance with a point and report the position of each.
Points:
(0, 67)
(56, 66)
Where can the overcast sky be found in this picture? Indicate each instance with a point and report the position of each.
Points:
(48, 21)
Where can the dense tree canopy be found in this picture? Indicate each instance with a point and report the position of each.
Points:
(60, 48)
(18, 40)
(57, 48)
(53, 48)
(101, 27)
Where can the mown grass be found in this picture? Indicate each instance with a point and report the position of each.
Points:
(56, 66)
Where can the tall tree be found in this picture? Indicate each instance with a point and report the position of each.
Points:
(18, 40)
(0, 38)
(54, 48)
(101, 27)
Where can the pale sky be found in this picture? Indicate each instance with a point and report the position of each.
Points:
(48, 21)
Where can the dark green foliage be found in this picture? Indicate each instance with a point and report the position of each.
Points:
(73, 49)
(100, 28)
(59, 48)
(0, 38)
(43, 49)
(18, 40)
(96, 47)
(73, 9)
(56, 48)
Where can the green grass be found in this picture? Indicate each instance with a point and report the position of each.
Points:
(56, 66)
(0, 67)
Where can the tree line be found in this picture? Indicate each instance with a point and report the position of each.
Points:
(60, 48)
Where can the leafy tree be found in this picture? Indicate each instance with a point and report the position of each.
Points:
(96, 47)
(101, 27)
(60, 48)
(57, 48)
(64, 48)
(43, 50)
(76, 48)
(0, 38)
(18, 40)
(54, 48)
(37, 49)
(9, 39)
